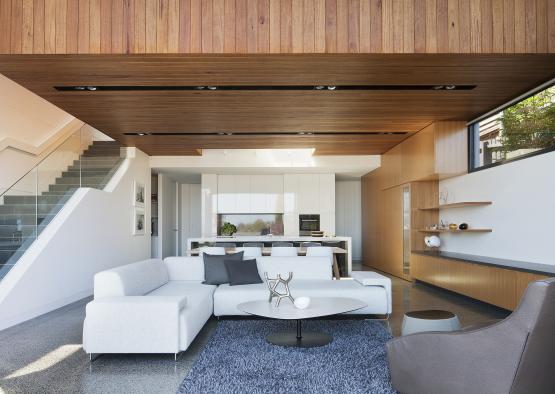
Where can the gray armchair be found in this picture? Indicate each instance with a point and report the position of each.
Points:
(516, 355)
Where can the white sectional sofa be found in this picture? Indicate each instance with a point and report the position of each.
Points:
(156, 306)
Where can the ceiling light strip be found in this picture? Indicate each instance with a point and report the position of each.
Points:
(210, 88)
(279, 133)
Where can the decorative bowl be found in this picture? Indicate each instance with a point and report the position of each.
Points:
(302, 302)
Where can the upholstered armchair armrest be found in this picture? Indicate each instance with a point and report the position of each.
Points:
(137, 324)
(368, 278)
(477, 361)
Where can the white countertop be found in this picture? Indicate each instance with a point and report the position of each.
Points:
(267, 238)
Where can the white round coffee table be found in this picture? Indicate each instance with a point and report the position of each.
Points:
(319, 306)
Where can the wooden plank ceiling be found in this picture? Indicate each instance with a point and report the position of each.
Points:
(276, 26)
(498, 78)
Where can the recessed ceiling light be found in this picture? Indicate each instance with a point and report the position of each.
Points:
(331, 87)
(199, 87)
(450, 87)
(319, 87)
(79, 88)
(438, 87)
(309, 133)
(212, 87)
(141, 134)
(92, 88)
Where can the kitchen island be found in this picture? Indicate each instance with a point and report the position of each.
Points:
(344, 242)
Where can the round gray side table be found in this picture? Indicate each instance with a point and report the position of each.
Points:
(429, 320)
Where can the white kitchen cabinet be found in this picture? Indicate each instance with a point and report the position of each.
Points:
(327, 222)
(291, 193)
(258, 194)
(327, 192)
(274, 196)
(242, 186)
(291, 224)
(309, 190)
(226, 194)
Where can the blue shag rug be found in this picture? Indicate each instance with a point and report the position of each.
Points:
(237, 359)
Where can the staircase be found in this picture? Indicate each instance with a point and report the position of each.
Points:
(23, 217)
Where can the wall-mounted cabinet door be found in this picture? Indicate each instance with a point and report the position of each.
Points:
(291, 193)
(226, 194)
(266, 193)
(258, 194)
(274, 197)
(242, 193)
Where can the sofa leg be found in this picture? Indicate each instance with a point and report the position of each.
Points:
(92, 357)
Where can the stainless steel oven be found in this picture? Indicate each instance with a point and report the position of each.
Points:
(308, 223)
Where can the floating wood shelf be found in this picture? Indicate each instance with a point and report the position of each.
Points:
(470, 230)
(457, 205)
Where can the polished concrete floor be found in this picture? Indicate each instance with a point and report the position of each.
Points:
(44, 355)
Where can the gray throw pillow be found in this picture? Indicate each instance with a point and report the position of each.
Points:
(242, 272)
(215, 272)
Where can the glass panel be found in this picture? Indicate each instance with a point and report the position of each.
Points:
(406, 230)
(85, 159)
(100, 157)
(18, 220)
(522, 129)
(252, 224)
(57, 179)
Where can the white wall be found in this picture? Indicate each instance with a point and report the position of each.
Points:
(93, 232)
(190, 214)
(522, 215)
(29, 128)
(348, 213)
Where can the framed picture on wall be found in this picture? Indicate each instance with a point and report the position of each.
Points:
(138, 194)
(138, 221)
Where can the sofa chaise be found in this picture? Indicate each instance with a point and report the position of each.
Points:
(156, 306)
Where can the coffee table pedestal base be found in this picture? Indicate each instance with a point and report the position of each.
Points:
(299, 338)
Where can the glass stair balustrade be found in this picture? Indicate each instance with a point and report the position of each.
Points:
(87, 158)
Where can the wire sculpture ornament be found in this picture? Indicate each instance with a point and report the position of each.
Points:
(273, 284)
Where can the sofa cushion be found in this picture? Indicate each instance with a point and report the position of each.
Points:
(185, 268)
(302, 267)
(215, 272)
(226, 298)
(131, 280)
(242, 272)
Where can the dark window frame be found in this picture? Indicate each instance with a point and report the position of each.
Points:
(472, 140)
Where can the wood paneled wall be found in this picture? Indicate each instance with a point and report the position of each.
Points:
(276, 26)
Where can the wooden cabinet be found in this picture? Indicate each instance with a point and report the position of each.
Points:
(382, 225)
(495, 285)
(438, 151)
